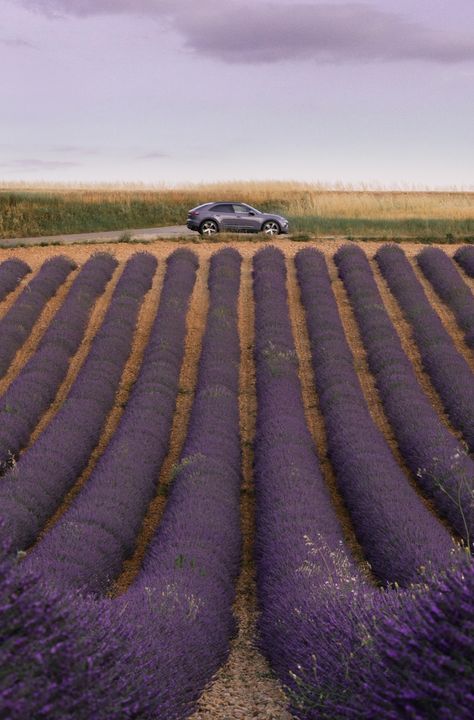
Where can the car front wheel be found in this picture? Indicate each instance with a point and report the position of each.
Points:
(208, 228)
(271, 228)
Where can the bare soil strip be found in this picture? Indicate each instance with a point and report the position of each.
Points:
(368, 385)
(142, 331)
(31, 343)
(244, 686)
(314, 417)
(447, 317)
(409, 346)
(196, 322)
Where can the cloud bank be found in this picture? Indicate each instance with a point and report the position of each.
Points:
(16, 42)
(263, 32)
(37, 164)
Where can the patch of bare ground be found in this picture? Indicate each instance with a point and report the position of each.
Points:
(410, 348)
(39, 328)
(244, 686)
(196, 322)
(314, 417)
(367, 382)
(446, 316)
(145, 319)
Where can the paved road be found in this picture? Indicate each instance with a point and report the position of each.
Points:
(105, 236)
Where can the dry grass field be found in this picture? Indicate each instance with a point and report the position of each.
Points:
(31, 210)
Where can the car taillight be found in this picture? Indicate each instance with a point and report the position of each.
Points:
(193, 213)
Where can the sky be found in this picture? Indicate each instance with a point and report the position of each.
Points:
(379, 92)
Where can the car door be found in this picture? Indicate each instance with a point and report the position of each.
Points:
(225, 216)
(246, 218)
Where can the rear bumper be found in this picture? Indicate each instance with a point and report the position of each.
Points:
(192, 225)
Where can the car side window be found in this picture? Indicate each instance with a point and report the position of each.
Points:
(223, 208)
(241, 209)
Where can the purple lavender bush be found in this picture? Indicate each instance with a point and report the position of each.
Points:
(448, 370)
(11, 272)
(436, 458)
(397, 532)
(464, 256)
(17, 323)
(34, 487)
(66, 658)
(420, 660)
(187, 582)
(106, 516)
(451, 288)
(304, 568)
(35, 387)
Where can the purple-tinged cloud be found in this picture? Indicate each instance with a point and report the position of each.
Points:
(265, 32)
(76, 149)
(16, 42)
(36, 164)
(153, 156)
(86, 8)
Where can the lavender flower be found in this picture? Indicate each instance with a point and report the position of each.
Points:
(11, 272)
(17, 323)
(446, 367)
(450, 286)
(435, 457)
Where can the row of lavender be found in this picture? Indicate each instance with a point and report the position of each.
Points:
(299, 545)
(447, 368)
(450, 286)
(465, 257)
(433, 454)
(12, 271)
(398, 542)
(312, 595)
(106, 515)
(34, 487)
(151, 651)
(35, 387)
(18, 321)
(342, 648)
(181, 602)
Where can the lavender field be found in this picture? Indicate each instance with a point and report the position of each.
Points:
(237, 482)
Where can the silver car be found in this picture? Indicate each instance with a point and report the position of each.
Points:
(214, 217)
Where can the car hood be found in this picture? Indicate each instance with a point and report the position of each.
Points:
(272, 216)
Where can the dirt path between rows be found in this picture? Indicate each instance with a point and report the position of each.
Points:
(196, 323)
(244, 687)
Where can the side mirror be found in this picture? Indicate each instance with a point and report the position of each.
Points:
(251, 212)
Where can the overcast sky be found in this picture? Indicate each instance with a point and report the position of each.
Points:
(378, 91)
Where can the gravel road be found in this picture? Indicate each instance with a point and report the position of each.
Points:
(104, 236)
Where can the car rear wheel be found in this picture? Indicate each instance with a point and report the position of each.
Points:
(271, 228)
(208, 228)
